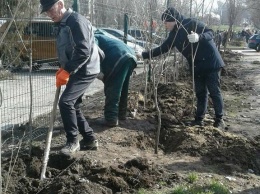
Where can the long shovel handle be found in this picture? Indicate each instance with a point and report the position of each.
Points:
(49, 135)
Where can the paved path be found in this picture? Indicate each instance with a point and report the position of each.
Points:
(247, 120)
(15, 92)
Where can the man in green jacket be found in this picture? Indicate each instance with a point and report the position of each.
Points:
(116, 69)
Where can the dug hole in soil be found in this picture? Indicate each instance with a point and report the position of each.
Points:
(125, 161)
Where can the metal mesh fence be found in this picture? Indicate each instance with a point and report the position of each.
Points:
(27, 40)
(17, 93)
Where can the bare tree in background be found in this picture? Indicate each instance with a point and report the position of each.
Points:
(235, 7)
(7, 8)
(254, 10)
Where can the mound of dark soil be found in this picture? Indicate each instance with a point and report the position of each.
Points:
(125, 162)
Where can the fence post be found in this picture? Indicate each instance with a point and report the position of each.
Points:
(125, 27)
(0, 142)
(75, 6)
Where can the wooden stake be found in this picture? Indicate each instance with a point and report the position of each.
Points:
(49, 135)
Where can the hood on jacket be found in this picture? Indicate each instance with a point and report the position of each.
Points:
(171, 14)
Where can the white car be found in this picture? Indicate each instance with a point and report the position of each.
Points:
(137, 48)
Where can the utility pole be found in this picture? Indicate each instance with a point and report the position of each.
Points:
(92, 11)
(76, 6)
(0, 141)
(167, 3)
(126, 21)
(190, 8)
(202, 15)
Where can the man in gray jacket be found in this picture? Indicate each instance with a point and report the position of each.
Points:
(80, 64)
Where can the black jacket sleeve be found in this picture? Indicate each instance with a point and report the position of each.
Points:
(163, 48)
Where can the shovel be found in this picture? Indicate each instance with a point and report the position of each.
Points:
(49, 135)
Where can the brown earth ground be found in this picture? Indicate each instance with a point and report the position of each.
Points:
(125, 160)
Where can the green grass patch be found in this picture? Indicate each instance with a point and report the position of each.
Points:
(211, 188)
(218, 188)
(225, 27)
(192, 177)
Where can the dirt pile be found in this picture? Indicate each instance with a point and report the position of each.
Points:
(213, 145)
(76, 175)
(125, 161)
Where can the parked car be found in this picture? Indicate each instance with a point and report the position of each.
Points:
(2, 22)
(144, 35)
(14, 51)
(137, 48)
(254, 42)
(120, 34)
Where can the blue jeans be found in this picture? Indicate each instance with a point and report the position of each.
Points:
(204, 84)
(73, 119)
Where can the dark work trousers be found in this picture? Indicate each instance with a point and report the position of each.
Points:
(116, 91)
(73, 119)
(208, 83)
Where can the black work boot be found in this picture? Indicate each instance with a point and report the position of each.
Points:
(88, 144)
(70, 147)
(197, 122)
(103, 121)
(122, 116)
(219, 123)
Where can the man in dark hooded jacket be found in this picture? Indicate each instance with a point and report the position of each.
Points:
(185, 33)
(116, 69)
